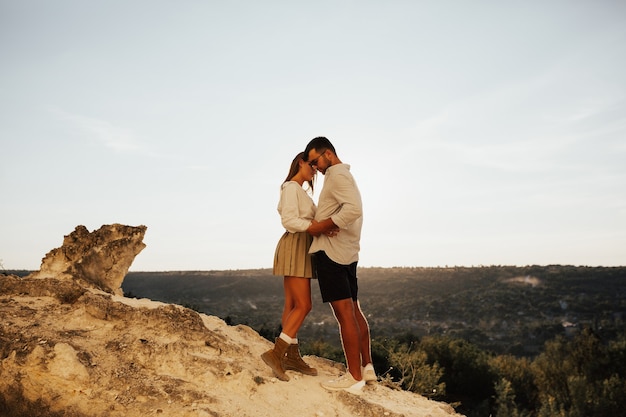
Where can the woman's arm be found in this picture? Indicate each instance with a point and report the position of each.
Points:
(290, 210)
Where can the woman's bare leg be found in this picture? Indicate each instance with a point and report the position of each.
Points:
(298, 292)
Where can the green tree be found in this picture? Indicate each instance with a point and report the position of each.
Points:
(505, 399)
(468, 378)
(466, 367)
(551, 369)
(580, 377)
(550, 408)
(519, 374)
(416, 374)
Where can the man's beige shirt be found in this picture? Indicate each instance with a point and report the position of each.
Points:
(340, 200)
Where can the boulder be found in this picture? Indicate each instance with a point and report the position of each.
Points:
(100, 258)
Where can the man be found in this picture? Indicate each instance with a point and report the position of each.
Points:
(335, 257)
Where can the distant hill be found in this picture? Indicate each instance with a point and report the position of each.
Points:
(504, 309)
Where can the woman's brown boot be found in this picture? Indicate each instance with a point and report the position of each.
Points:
(294, 362)
(274, 358)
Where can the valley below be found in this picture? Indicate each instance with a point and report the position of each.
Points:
(502, 309)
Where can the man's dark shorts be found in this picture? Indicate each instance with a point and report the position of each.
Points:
(336, 281)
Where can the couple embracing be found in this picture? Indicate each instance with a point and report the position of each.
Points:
(323, 243)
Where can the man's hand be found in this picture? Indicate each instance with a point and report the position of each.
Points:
(326, 227)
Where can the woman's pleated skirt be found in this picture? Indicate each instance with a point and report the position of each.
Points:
(292, 258)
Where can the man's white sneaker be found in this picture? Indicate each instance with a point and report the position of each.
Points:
(369, 375)
(346, 383)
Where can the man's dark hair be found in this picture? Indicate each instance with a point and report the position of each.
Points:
(320, 144)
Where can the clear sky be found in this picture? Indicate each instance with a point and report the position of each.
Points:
(479, 132)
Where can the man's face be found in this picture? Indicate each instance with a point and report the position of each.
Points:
(319, 161)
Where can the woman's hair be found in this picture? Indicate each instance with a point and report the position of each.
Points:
(295, 167)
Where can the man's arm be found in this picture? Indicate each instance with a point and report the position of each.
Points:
(348, 198)
(324, 227)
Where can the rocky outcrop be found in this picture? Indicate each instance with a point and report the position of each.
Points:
(71, 348)
(101, 258)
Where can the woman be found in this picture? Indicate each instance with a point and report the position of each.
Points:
(293, 262)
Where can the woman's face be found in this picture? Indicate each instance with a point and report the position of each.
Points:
(307, 171)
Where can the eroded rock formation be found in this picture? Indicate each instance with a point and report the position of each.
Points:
(101, 258)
